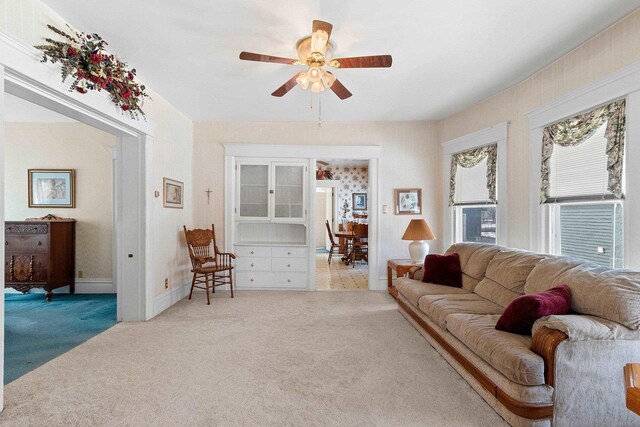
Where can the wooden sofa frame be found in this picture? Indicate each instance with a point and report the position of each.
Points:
(544, 343)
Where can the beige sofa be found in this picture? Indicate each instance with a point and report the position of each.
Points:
(570, 371)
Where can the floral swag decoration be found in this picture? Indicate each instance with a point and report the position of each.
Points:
(576, 130)
(469, 159)
(83, 58)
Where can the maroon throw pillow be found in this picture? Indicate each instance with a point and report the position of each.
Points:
(443, 270)
(521, 314)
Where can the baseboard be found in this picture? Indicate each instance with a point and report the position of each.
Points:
(166, 300)
(94, 286)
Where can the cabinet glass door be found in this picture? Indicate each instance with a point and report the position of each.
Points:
(289, 191)
(254, 191)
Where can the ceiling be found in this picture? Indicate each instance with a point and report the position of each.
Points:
(17, 110)
(344, 163)
(446, 54)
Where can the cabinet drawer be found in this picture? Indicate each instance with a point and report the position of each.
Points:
(253, 251)
(289, 264)
(265, 280)
(289, 252)
(23, 243)
(253, 263)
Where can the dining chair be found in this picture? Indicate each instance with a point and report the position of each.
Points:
(334, 245)
(360, 244)
(205, 263)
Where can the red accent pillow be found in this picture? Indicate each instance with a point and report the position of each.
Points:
(443, 270)
(521, 314)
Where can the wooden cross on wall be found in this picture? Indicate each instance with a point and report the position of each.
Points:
(208, 194)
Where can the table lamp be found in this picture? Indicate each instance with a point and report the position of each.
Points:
(418, 231)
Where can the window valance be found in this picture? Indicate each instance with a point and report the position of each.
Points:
(470, 159)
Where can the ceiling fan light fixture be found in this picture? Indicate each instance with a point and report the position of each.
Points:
(317, 87)
(328, 79)
(315, 74)
(302, 80)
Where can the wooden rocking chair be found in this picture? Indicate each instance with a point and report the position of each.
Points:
(204, 264)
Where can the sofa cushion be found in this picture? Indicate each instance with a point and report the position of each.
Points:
(438, 307)
(522, 313)
(474, 259)
(506, 275)
(508, 353)
(443, 270)
(598, 291)
(413, 290)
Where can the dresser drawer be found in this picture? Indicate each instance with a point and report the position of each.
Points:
(290, 280)
(27, 243)
(253, 264)
(253, 251)
(289, 264)
(25, 268)
(289, 252)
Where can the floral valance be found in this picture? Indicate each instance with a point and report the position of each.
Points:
(471, 158)
(578, 129)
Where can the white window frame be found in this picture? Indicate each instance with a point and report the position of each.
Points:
(622, 84)
(496, 134)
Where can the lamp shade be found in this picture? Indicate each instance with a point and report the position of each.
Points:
(418, 229)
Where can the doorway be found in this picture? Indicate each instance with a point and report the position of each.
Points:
(341, 226)
(58, 208)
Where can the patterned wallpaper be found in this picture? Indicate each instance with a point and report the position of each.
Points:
(352, 180)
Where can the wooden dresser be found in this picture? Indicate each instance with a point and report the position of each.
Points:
(40, 254)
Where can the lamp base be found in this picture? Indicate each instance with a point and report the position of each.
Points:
(418, 250)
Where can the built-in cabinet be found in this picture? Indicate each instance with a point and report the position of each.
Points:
(270, 223)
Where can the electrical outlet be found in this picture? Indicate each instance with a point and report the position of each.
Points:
(80, 274)
(166, 283)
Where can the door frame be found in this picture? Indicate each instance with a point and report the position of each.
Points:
(23, 75)
(334, 184)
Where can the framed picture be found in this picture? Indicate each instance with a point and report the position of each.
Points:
(359, 201)
(52, 188)
(408, 201)
(173, 193)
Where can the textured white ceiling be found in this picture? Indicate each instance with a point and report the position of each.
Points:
(446, 54)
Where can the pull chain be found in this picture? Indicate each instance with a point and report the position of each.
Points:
(319, 110)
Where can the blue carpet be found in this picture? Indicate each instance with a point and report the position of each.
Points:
(321, 251)
(37, 331)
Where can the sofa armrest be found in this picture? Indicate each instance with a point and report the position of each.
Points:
(544, 343)
(579, 327)
(416, 273)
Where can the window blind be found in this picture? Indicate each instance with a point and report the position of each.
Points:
(471, 185)
(580, 171)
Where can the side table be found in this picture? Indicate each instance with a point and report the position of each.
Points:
(401, 267)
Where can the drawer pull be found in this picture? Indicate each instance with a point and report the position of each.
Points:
(252, 252)
(251, 264)
(288, 253)
(252, 279)
(39, 243)
(289, 280)
(288, 265)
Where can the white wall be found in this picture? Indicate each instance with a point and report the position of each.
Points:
(611, 50)
(409, 159)
(66, 146)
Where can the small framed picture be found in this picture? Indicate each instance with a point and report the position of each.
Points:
(173, 193)
(52, 188)
(359, 201)
(408, 201)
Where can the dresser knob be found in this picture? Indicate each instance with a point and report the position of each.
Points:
(288, 265)
(251, 264)
(39, 243)
(288, 253)
(289, 280)
(252, 280)
(251, 252)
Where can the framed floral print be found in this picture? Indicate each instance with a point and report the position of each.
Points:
(173, 193)
(52, 188)
(359, 201)
(408, 201)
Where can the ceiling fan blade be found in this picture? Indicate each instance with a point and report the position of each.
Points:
(321, 25)
(339, 89)
(249, 56)
(282, 90)
(375, 61)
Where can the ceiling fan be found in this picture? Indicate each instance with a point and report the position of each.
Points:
(315, 52)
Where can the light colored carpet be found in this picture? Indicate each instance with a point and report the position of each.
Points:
(262, 358)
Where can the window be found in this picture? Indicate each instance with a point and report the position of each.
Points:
(473, 195)
(583, 185)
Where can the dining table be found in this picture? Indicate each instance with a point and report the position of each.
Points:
(350, 236)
